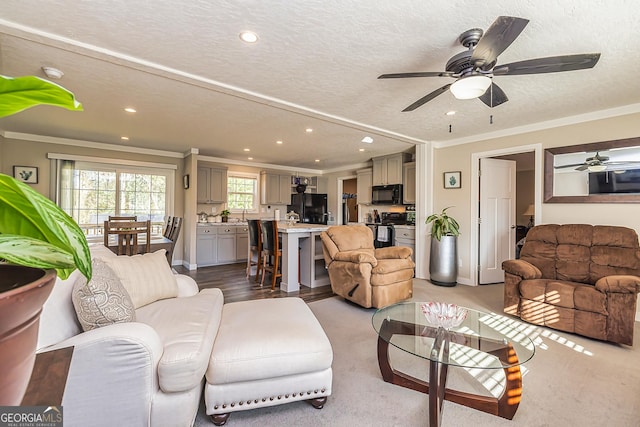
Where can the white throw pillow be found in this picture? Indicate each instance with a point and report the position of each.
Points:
(103, 301)
(147, 278)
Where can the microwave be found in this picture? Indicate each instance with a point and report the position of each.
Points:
(386, 194)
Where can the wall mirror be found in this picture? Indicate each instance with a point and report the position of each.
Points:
(600, 172)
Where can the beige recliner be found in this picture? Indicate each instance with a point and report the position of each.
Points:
(363, 274)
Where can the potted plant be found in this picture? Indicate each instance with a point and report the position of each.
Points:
(443, 259)
(225, 215)
(38, 241)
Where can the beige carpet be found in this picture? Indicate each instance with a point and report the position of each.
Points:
(571, 380)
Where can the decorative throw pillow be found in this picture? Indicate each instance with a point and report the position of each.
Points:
(147, 278)
(103, 301)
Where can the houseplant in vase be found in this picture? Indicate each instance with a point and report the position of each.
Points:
(225, 215)
(443, 258)
(38, 241)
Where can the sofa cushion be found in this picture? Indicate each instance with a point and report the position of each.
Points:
(187, 328)
(147, 278)
(268, 338)
(103, 300)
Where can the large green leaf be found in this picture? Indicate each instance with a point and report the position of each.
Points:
(19, 93)
(35, 253)
(27, 213)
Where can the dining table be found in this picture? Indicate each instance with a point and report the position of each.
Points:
(158, 241)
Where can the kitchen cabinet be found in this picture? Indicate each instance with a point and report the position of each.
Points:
(405, 235)
(388, 169)
(315, 184)
(276, 189)
(212, 185)
(409, 183)
(242, 242)
(206, 245)
(363, 186)
(226, 245)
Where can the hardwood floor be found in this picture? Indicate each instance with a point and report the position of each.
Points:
(232, 281)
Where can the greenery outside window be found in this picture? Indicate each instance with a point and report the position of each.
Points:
(242, 192)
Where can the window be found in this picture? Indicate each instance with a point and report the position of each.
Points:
(90, 192)
(242, 192)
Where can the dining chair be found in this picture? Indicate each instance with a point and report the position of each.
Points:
(173, 234)
(168, 225)
(255, 247)
(126, 236)
(123, 218)
(271, 252)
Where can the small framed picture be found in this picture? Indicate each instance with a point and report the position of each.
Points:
(452, 180)
(26, 174)
(185, 182)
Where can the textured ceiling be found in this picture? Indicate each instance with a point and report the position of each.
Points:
(196, 85)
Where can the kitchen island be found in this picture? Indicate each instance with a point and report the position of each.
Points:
(300, 240)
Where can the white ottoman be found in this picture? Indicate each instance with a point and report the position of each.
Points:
(267, 352)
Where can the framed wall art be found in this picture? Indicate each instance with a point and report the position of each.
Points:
(452, 180)
(26, 174)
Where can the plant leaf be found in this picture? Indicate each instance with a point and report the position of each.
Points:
(25, 212)
(35, 253)
(19, 93)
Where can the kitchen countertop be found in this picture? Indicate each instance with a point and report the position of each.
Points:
(220, 224)
(301, 228)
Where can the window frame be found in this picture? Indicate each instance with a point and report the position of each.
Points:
(256, 194)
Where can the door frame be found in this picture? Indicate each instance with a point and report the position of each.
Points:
(340, 187)
(474, 201)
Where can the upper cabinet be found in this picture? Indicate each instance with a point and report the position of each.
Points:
(363, 186)
(212, 185)
(388, 169)
(409, 183)
(276, 189)
(315, 184)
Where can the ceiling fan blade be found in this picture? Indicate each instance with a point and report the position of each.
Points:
(499, 36)
(494, 96)
(552, 64)
(418, 74)
(582, 168)
(420, 102)
(569, 166)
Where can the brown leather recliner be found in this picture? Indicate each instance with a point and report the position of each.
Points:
(363, 274)
(577, 278)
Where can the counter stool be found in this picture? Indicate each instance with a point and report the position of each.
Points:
(255, 247)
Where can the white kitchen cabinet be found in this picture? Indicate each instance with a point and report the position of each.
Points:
(226, 244)
(363, 186)
(388, 169)
(206, 245)
(276, 189)
(242, 242)
(409, 183)
(212, 185)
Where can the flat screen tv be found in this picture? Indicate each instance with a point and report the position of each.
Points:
(610, 182)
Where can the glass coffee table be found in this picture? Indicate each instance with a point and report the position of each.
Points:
(480, 341)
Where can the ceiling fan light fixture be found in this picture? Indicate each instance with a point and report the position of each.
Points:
(597, 168)
(470, 87)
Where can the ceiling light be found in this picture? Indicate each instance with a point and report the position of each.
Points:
(470, 87)
(367, 139)
(317, 160)
(278, 142)
(250, 158)
(248, 37)
(362, 149)
(130, 110)
(124, 138)
(450, 113)
(247, 149)
(52, 73)
(597, 168)
(308, 130)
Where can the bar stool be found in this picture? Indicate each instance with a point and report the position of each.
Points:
(270, 251)
(255, 247)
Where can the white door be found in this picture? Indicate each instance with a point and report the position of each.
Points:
(497, 217)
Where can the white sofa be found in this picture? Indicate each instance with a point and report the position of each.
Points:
(144, 373)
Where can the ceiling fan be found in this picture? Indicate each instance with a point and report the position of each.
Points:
(599, 163)
(475, 68)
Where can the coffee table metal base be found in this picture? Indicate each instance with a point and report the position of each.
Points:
(504, 406)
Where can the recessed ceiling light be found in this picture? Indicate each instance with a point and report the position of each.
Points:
(52, 73)
(278, 142)
(450, 113)
(362, 149)
(124, 138)
(247, 149)
(248, 37)
(308, 130)
(130, 110)
(317, 160)
(367, 139)
(250, 158)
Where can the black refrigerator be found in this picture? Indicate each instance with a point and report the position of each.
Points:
(312, 208)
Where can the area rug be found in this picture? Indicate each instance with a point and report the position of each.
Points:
(571, 380)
